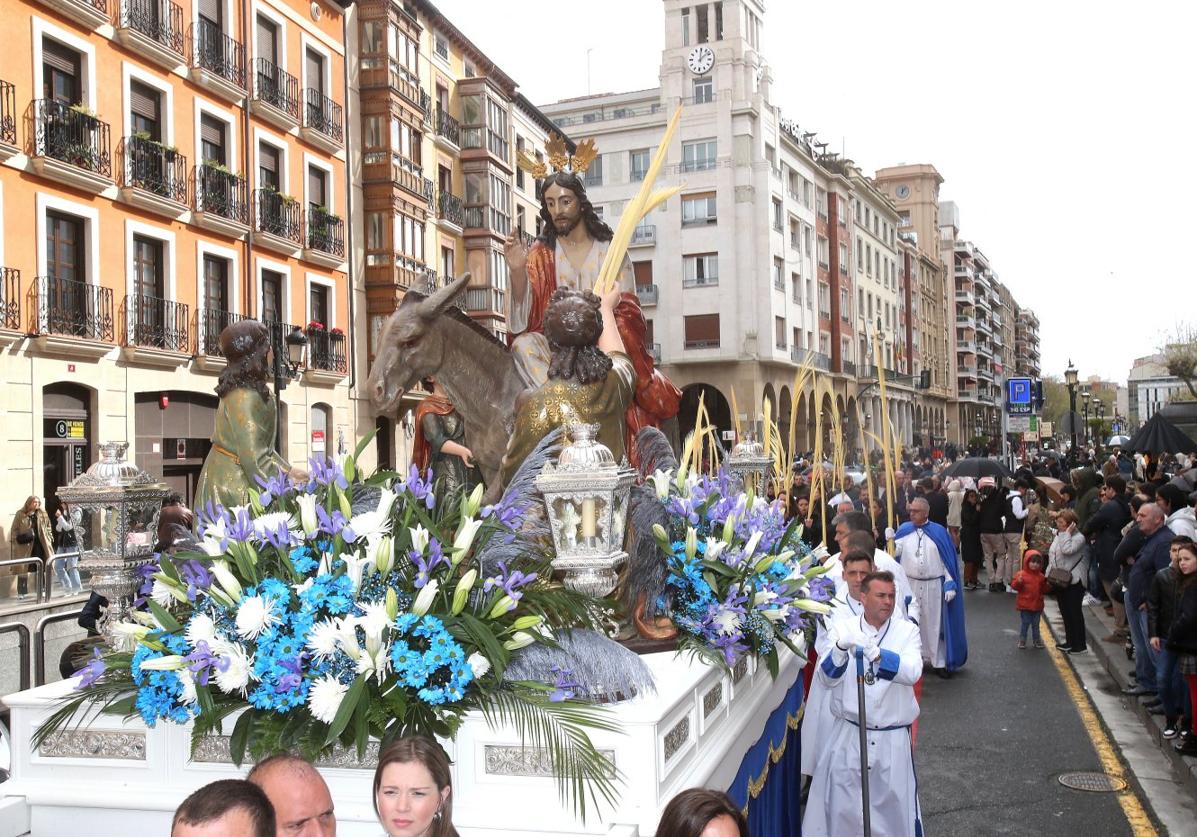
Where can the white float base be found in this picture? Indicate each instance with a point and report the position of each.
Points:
(115, 778)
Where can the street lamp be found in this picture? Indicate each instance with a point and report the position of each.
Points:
(1086, 395)
(1070, 378)
(286, 369)
(1101, 419)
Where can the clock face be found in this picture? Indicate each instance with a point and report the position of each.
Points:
(903, 192)
(700, 60)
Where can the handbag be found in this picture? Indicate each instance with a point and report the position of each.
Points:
(1060, 578)
(24, 538)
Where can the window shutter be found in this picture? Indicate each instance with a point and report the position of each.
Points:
(267, 40)
(643, 272)
(315, 71)
(144, 100)
(211, 10)
(316, 186)
(702, 327)
(60, 57)
(268, 159)
(211, 130)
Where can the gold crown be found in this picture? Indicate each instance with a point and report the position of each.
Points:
(559, 158)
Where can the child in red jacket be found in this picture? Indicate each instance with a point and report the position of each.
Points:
(1032, 586)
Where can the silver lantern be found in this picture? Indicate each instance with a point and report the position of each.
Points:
(749, 464)
(586, 494)
(123, 503)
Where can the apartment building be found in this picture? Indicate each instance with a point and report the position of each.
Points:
(1026, 343)
(167, 169)
(439, 190)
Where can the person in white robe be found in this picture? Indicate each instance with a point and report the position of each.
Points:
(849, 536)
(930, 581)
(892, 656)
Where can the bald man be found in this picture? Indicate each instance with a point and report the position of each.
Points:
(303, 807)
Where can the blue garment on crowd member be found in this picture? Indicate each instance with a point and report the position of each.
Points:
(1153, 556)
(951, 624)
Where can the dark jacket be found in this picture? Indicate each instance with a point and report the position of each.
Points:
(938, 511)
(993, 506)
(1087, 500)
(970, 533)
(1162, 598)
(1182, 638)
(1153, 556)
(1105, 530)
(1014, 524)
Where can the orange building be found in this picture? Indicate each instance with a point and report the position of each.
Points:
(166, 168)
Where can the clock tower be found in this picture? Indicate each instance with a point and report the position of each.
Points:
(712, 51)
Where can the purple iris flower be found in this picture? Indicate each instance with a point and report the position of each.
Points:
(509, 582)
(419, 488)
(197, 577)
(326, 471)
(242, 528)
(274, 487)
(92, 672)
(332, 523)
(210, 515)
(145, 574)
(294, 676)
(566, 686)
(280, 537)
(202, 662)
(424, 568)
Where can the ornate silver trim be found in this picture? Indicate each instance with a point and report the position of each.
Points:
(94, 744)
(214, 749)
(740, 669)
(712, 700)
(676, 737)
(500, 760)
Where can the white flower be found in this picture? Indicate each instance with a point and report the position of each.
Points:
(386, 500)
(465, 537)
(752, 544)
(478, 664)
(235, 677)
(128, 635)
(374, 620)
(303, 587)
(368, 524)
(254, 615)
(200, 628)
(382, 553)
(715, 548)
(347, 636)
(728, 621)
(188, 682)
(271, 521)
(354, 567)
(471, 504)
(170, 662)
(307, 514)
(426, 597)
(213, 547)
(324, 698)
(519, 639)
(661, 480)
(227, 581)
(419, 538)
(163, 593)
(322, 641)
(763, 597)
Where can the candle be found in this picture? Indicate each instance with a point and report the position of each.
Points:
(588, 517)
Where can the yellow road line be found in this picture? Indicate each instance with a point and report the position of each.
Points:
(1132, 807)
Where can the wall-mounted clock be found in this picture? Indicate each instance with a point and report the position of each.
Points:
(903, 192)
(700, 60)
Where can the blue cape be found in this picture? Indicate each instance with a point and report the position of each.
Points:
(951, 625)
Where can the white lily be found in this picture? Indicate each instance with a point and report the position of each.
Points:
(375, 657)
(213, 547)
(381, 553)
(227, 581)
(165, 593)
(691, 542)
(471, 504)
(811, 606)
(346, 628)
(520, 639)
(715, 548)
(752, 544)
(128, 635)
(355, 566)
(461, 594)
(171, 662)
(419, 538)
(307, 514)
(661, 480)
(763, 597)
(465, 539)
(146, 618)
(777, 614)
(478, 664)
(425, 598)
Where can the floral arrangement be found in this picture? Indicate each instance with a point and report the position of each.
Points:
(315, 325)
(335, 331)
(741, 580)
(337, 609)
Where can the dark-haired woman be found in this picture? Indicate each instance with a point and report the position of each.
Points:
(413, 789)
(243, 442)
(699, 812)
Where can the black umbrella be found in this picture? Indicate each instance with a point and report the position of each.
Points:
(1161, 436)
(977, 467)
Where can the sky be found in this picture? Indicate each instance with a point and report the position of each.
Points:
(1063, 129)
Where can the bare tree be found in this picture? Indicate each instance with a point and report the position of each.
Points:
(1180, 356)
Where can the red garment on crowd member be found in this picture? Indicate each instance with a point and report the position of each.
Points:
(1032, 585)
(657, 399)
(421, 451)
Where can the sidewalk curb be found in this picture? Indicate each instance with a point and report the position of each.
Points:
(1113, 660)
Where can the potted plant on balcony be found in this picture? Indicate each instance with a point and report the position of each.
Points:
(315, 325)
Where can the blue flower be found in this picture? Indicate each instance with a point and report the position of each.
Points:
(92, 672)
(302, 559)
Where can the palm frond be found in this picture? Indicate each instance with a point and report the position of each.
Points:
(581, 771)
(79, 708)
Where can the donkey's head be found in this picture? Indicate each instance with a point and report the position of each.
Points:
(411, 347)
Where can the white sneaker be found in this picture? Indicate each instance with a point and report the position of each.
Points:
(1090, 600)
(1010, 589)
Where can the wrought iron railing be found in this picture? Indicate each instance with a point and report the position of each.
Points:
(156, 168)
(216, 52)
(157, 323)
(8, 113)
(326, 350)
(644, 234)
(326, 232)
(448, 127)
(647, 294)
(212, 321)
(450, 208)
(275, 86)
(323, 114)
(159, 20)
(278, 214)
(221, 192)
(74, 309)
(10, 298)
(484, 300)
(70, 134)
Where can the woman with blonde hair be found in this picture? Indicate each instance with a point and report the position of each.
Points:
(413, 789)
(31, 537)
(1069, 553)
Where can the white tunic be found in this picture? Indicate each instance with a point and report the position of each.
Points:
(925, 572)
(834, 804)
(816, 717)
(908, 605)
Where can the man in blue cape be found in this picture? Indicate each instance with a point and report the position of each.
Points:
(927, 554)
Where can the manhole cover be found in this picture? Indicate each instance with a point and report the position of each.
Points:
(1095, 782)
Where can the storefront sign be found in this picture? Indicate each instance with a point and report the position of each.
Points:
(317, 441)
(67, 428)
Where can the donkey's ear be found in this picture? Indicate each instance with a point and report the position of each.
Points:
(444, 297)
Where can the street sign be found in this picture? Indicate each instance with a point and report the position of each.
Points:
(1046, 429)
(1020, 424)
(1020, 394)
(1030, 437)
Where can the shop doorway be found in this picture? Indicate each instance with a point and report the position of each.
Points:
(66, 438)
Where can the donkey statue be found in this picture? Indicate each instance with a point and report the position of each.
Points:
(430, 335)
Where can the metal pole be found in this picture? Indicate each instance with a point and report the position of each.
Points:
(864, 741)
(39, 642)
(276, 350)
(1072, 420)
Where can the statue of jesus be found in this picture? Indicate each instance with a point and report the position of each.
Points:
(569, 254)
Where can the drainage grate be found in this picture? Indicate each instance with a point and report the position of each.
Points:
(1094, 782)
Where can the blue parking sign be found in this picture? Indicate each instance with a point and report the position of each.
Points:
(1019, 395)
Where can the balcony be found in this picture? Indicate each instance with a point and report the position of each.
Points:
(966, 297)
(155, 177)
(389, 73)
(395, 169)
(323, 121)
(484, 302)
(324, 243)
(73, 318)
(157, 331)
(221, 200)
(647, 294)
(87, 13)
(8, 120)
(278, 222)
(966, 346)
(450, 211)
(153, 29)
(447, 130)
(475, 218)
(700, 282)
(71, 146)
(10, 306)
(702, 344)
(275, 95)
(217, 61)
(849, 368)
(967, 372)
(644, 235)
(327, 360)
(211, 322)
(654, 349)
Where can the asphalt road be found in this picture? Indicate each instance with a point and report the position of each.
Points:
(993, 740)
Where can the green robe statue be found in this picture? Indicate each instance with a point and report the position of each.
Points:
(242, 448)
